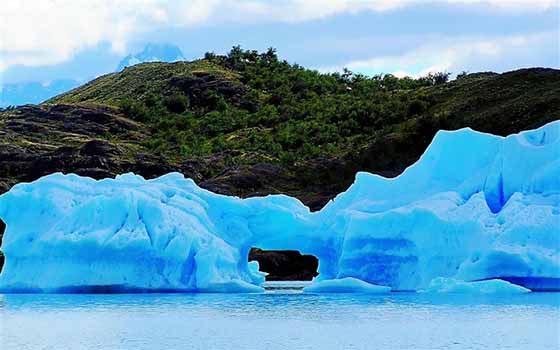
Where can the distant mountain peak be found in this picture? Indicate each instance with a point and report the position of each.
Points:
(153, 52)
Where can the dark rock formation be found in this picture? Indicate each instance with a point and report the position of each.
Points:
(285, 265)
(200, 86)
(89, 141)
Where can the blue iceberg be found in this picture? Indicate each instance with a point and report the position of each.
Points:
(475, 206)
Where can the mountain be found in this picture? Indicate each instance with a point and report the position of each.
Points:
(250, 124)
(153, 53)
(16, 94)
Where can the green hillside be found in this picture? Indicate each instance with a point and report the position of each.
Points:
(137, 82)
(248, 123)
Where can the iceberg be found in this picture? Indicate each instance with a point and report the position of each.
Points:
(345, 285)
(475, 206)
(493, 286)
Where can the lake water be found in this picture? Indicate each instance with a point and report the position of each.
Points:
(279, 320)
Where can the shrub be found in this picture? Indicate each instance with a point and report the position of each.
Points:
(134, 110)
(176, 103)
(416, 107)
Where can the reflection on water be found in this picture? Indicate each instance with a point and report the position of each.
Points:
(280, 321)
(285, 287)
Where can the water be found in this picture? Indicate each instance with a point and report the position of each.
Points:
(279, 321)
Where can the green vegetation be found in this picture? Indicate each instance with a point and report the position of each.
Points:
(267, 109)
(248, 123)
(257, 103)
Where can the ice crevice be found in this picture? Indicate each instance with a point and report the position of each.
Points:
(473, 208)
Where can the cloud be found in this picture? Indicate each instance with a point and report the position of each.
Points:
(507, 5)
(197, 11)
(42, 32)
(51, 31)
(466, 53)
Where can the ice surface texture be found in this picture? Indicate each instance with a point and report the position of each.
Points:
(475, 206)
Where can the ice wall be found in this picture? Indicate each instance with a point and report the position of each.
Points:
(475, 206)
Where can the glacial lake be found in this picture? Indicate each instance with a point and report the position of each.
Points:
(279, 320)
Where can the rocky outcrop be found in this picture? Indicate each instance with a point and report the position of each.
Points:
(90, 141)
(200, 87)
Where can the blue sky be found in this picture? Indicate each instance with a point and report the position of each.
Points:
(83, 39)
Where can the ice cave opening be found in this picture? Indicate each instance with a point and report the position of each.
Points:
(2, 229)
(285, 265)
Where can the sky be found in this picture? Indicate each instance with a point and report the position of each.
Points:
(44, 40)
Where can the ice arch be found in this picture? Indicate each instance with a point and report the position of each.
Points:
(285, 265)
(475, 206)
(70, 232)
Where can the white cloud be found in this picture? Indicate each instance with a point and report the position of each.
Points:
(509, 5)
(41, 32)
(51, 31)
(198, 11)
(191, 13)
(457, 54)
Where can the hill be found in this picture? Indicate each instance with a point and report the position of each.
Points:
(248, 123)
